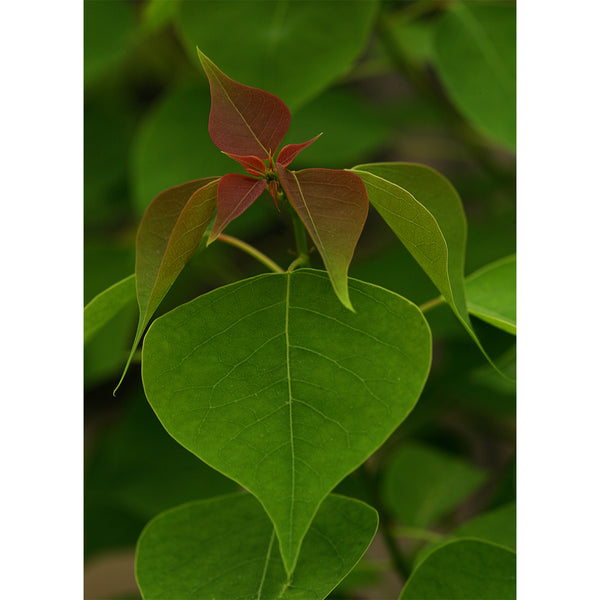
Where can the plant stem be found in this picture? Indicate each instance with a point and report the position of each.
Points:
(252, 251)
(431, 304)
(401, 565)
(300, 234)
(418, 534)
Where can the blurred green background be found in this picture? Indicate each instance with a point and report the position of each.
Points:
(431, 82)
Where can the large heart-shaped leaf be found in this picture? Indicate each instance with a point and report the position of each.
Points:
(492, 293)
(464, 570)
(225, 548)
(424, 210)
(333, 206)
(243, 120)
(422, 484)
(168, 235)
(293, 49)
(475, 53)
(269, 378)
(106, 305)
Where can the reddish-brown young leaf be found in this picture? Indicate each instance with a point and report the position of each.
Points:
(333, 206)
(235, 194)
(288, 153)
(243, 120)
(251, 164)
(168, 235)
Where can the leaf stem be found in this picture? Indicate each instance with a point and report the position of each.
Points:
(418, 534)
(300, 235)
(252, 251)
(431, 304)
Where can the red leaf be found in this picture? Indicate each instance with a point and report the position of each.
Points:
(333, 206)
(251, 164)
(289, 152)
(243, 120)
(168, 235)
(234, 195)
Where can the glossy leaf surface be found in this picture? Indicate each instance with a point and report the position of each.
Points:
(225, 549)
(235, 193)
(106, 305)
(492, 294)
(422, 484)
(243, 120)
(169, 234)
(268, 378)
(475, 54)
(333, 206)
(464, 570)
(424, 210)
(293, 49)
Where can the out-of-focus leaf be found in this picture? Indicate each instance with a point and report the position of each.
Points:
(475, 54)
(235, 194)
(352, 130)
(158, 13)
(135, 471)
(291, 49)
(464, 570)
(492, 294)
(108, 30)
(173, 146)
(498, 526)
(243, 120)
(169, 234)
(270, 377)
(225, 548)
(109, 124)
(421, 484)
(106, 305)
(333, 206)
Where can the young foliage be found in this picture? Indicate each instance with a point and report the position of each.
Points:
(206, 532)
(268, 378)
(464, 570)
(169, 234)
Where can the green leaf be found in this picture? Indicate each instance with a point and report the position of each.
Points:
(107, 305)
(475, 54)
(464, 570)
(424, 210)
(109, 28)
(492, 294)
(269, 378)
(421, 484)
(291, 49)
(333, 205)
(224, 548)
(168, 235)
